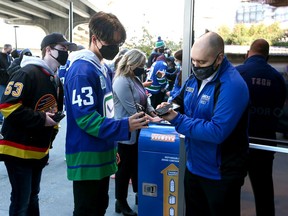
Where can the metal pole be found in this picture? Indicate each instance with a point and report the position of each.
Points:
(188, 40)
(71, 22)
(15, 30)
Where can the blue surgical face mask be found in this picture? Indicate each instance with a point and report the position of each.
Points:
(177, 65)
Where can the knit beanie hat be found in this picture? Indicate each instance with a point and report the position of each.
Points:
(159, 44)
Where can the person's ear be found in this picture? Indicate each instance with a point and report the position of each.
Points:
(94, 39)
(220, 58)
(247, 55)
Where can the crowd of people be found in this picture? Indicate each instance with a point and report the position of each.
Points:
(107, 105)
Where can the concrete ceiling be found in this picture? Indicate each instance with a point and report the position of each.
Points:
(275, 3)
(31, 12)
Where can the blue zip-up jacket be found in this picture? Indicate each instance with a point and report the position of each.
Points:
(91, 128)
(267, 92)
(215, 124)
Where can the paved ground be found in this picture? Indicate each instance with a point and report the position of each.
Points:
(56, 191)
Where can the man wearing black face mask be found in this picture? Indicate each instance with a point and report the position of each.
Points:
(92, 131)
(31, 99)
(214, 121)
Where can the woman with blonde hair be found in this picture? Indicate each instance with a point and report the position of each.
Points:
(129, 95)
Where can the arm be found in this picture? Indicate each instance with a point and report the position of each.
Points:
(123, 89)
(228, 110)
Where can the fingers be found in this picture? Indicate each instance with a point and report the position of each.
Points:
(49, 121)
(137, 115)
(162, 105)
(138, 121)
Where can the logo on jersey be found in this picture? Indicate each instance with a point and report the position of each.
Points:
(47, 103)
(108, 105)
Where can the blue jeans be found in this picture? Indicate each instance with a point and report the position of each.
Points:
(2, 89)
(25, 183)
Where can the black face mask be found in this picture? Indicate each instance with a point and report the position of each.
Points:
(202, 73)
(62, 57)
(138, 71)
(109, 51)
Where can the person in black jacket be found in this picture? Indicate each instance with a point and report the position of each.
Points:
(31, 99)
(267, 95)
(15, 66)
(5, 61)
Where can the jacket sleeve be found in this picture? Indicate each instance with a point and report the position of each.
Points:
(123, 89)
(226, 115)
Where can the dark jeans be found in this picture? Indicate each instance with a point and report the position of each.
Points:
(206, 197)
(25, 183)
(260, 169)
(91, 197)
(127, 168)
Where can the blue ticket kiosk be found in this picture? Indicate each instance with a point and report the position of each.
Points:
(158, 168)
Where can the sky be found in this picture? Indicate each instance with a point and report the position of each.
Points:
(161, 17)
(165, 17)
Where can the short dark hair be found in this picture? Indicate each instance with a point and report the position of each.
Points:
(178, 55)
(104, 26)
(43, 51)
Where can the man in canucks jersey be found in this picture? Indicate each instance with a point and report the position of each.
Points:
(91, 129)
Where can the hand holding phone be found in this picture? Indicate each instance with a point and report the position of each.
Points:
(164, 110)
(140, 108)
(58, 116)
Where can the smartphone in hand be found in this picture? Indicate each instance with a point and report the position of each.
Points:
(58, 116)
(164, 110)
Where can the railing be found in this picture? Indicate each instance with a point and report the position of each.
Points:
(182, 160)
(268, 147)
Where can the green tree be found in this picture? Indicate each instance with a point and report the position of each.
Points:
(146, 43)
(243, 34)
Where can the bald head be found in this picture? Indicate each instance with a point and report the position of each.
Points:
(259, 47)
(209, 44)
(207, 48)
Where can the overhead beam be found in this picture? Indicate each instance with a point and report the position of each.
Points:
(76, 9)
(4, 16)
(79, 36)
(24, 9)
(90, 5)
(47, 8)
(15, 14)
(83, 28)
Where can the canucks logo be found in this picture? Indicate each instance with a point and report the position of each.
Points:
(108, 105)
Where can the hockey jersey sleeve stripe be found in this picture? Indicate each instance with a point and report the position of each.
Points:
(91, 123)
(7, 109)
(22, 151)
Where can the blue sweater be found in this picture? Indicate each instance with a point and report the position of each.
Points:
(215, 124)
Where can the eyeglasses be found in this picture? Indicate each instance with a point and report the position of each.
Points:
(118, 45)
